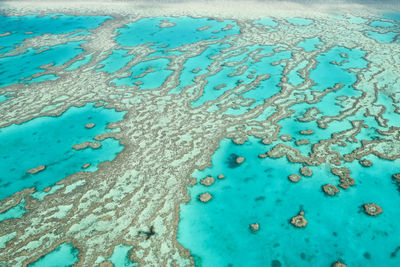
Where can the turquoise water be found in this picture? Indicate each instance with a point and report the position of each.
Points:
(42, 194)
(150, 80)
(310, 44)
(294, 76)
(356, 20)
(77, 64)
(327, 74)
(264, 90)
(200, 62)
(256, 191)
(387, 37)
(15, 212)
(379, 23)
(120, 256)
(390, 114)
(64, 255)
(42, 78)
(29, 63)
(184, 31)
(392, 16)
(259, 191)
(117, 60)
(19, 26)
(181, 31)
(48, 141)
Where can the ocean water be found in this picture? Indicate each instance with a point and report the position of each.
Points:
(356, 20)
(310, 44)
(200, 63)
(79, 63)
(294, 77)
(183, 32)
(384, 24)
(117, 60)
(23, 27)
(392, 16)
(42, 78)
(328, 72)
(14, 212)
(265, 65)
(259, 191)
(29, 26)
(29, 63)
(149, 74)
(48, 141)
(266, 22)
(64, 255)
(386, 37)
(120, 256)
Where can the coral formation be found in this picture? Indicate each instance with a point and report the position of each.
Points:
(372, 209)
(330, 190)
(36, 169)
(299, 221)
(294, 178)
(205, 197)
(207, 181)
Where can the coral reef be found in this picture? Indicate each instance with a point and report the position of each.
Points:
(299, 221)
(36, 169)
(330, 190)
(205, 197)
(207, 181)
(372, 209)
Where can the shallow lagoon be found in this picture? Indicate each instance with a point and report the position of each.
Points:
(62, 256)
(147, 74)
(180, 31)
(29, 63)
(259, 191)
(120, 256)
(23, 27)
(48, 141)
(117, 60)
